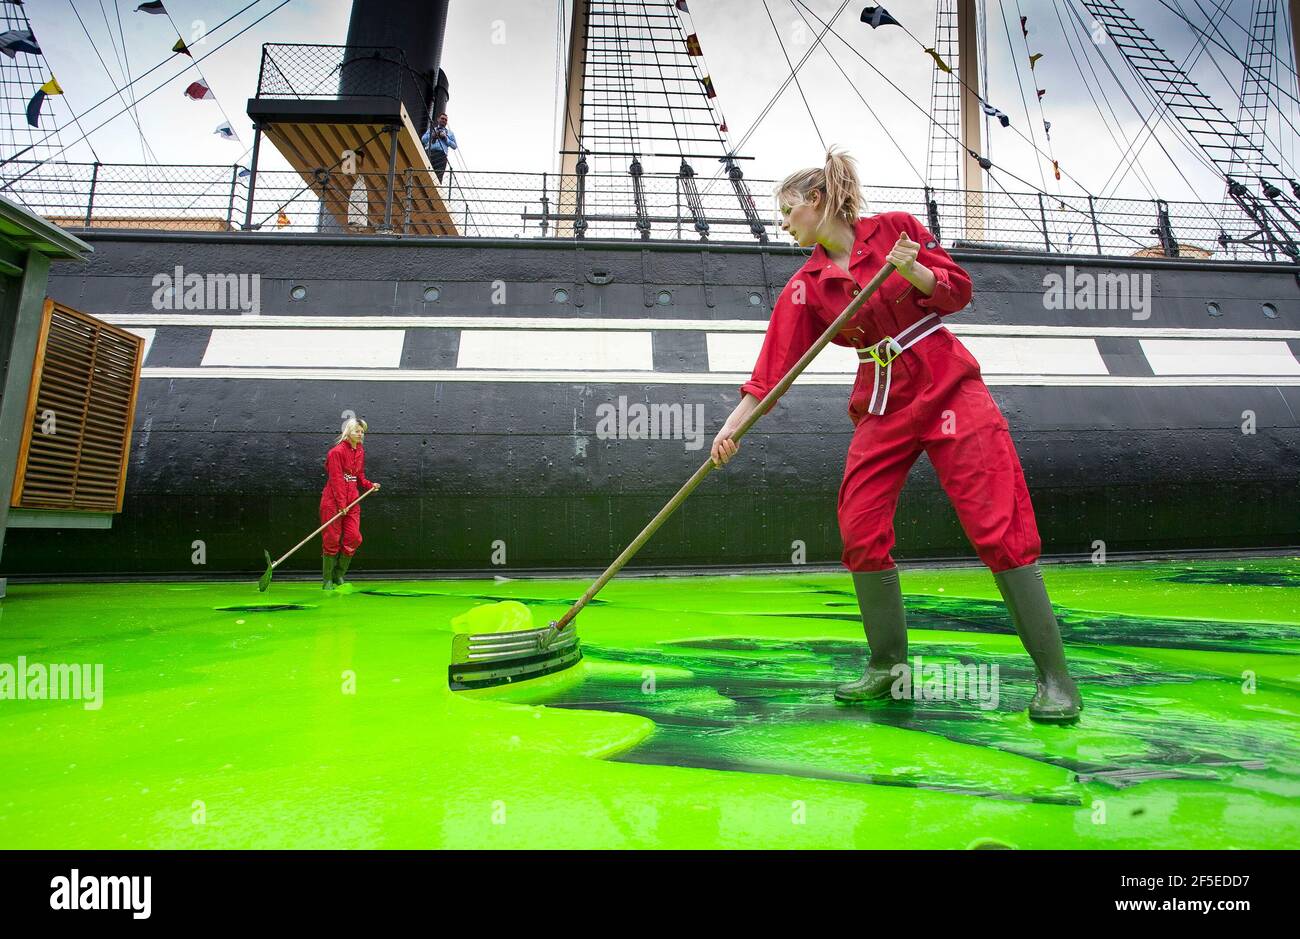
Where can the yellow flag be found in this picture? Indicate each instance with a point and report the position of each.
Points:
(51, 87)
(943, 66)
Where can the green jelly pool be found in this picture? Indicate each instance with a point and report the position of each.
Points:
(701, 717)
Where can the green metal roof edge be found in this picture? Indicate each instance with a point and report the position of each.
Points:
(24, 230)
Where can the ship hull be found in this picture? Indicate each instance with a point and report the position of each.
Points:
(506, 424)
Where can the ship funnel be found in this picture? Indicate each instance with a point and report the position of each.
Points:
(416, 27)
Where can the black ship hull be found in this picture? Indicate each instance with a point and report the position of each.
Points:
(516, 428)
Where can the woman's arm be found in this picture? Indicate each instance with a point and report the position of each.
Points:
(944, 285)
(724, 448)
(793, 329)
(364, 484)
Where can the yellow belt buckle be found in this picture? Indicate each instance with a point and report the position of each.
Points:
(893, 350)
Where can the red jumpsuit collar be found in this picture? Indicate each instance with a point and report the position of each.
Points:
(821, 259)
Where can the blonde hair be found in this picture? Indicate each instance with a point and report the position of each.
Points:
(351, 424)
(838, 183)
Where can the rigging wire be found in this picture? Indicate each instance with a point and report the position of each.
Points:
(1246, 69)
(888, 136)
(1142, 176)
(117, 11)
(1042, 115)
(144, 143)
(77, 117)
(794, 75)
(826, 27)
(204, 78)
(1015, 61)
(919, 107)
(1175, 126)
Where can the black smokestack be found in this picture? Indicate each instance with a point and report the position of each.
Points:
(416, 27)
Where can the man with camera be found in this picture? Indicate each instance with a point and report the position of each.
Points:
(437, 140)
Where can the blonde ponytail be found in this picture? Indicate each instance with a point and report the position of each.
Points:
(838, 183)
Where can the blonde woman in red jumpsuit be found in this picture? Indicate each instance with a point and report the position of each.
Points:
(345, 471)
(928, 396)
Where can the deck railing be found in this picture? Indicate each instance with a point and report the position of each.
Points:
(648, 206)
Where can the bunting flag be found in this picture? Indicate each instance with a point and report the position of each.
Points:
(1056, 168)
(1047, 129)
(1033, 60)
(875, 17)
(708, 87)
(994, 112)
(51, 87)
(155, 8)
(723, 127)
(681, 5)
(283, 220)
(943, 66)
(1041, 92)
(693, 45)
(182, 48)
(1023, 27)
(225, 131)
(18, 40)
(198, 91)
(243, 171)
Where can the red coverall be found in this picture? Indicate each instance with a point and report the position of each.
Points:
(937, 400)
(345, 468)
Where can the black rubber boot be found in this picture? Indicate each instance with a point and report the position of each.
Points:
(327, 571)
(1057, 700)
(343, 561)
(880, 599)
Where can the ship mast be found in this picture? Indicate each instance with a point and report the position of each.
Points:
(969, 70)
(1294, 10)
(570, 152)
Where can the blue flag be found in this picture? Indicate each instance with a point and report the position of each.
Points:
(18, 40)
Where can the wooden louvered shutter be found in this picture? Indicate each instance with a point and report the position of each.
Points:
(84, 386)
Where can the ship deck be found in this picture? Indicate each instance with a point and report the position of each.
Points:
(701, 717)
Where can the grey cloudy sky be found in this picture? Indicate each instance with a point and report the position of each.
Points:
(501, 57)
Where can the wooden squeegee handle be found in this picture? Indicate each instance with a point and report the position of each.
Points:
(322, 528)
(768, 400)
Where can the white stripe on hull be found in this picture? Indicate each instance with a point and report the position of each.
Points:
(734, 380)
(542, 350)
(712, 326)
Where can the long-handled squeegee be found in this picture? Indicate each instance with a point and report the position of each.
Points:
(486, 659)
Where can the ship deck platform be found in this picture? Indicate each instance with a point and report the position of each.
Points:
(314, 135)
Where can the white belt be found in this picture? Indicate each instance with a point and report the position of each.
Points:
(886, 350)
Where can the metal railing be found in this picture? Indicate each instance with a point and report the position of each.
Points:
(659, 206)
(300, 71)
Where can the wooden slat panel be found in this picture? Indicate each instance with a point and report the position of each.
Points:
(87, 374)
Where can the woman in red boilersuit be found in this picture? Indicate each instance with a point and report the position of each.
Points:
(920, 390)
(346, 479)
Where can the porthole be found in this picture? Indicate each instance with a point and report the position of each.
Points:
(298, 292)
(561, 295)
(664, 298)
(1213, 309)
(1269, 310)
(755, 299)
(431, 294)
